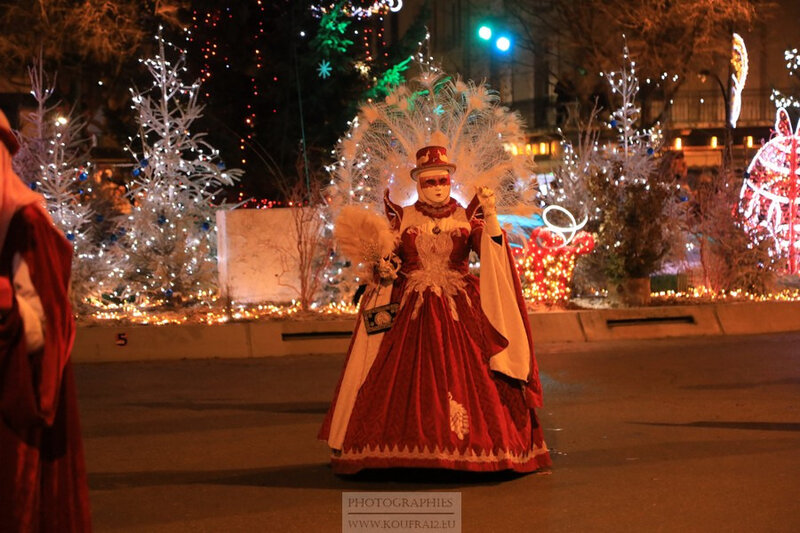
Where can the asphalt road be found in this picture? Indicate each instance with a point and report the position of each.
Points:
(684, 435)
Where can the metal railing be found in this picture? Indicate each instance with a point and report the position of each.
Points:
(706, 109)
(695, 109)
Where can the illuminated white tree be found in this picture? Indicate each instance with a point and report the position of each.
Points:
(170, 236)
(53, 160)
(630, 195)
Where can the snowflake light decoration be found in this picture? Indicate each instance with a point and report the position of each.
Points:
(324, 69)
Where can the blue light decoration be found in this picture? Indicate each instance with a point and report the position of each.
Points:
(70, 236)
(136, 171)
(143, 162)
(168, 293)
(83, 176)
(324, 69)
(205, 226)
(161, 220)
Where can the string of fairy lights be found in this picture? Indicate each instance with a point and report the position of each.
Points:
(215, 312)
(792, 58)
(350, 9)
(208, 24)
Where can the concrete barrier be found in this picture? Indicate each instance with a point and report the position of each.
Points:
(300, 337)
(275, 338)
(556, 326)
(137, 343)
(758, 317)
(649, 322)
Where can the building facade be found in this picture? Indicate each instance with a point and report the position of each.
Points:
(534, 76)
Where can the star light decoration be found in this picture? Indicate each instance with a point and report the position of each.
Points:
(769, 195)
(335, 32)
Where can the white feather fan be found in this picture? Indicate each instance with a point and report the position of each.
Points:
(364, 237)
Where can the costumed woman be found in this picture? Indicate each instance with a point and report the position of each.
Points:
(440, 372)
(42, 474)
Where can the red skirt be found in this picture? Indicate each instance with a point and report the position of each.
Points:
(431, 401)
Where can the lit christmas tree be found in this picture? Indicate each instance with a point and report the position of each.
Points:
(631, 200)
(634, 194)
(53, 160)
(170, 234)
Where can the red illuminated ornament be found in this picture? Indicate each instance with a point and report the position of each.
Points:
(768, 199)
(547, 264)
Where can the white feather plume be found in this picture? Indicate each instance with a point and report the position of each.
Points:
(364, 237)
(379, 149)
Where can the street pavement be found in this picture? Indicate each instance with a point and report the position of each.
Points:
(699, 434)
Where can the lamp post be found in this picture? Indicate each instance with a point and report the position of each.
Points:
(727, 146)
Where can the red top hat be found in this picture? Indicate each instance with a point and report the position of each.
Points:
(431, 158)
(7, 137)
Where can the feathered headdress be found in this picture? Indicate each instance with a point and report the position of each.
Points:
(380, 148)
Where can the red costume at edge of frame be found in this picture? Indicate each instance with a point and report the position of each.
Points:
(42, 474)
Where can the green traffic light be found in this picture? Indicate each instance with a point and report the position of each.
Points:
(485, 32)
(503, 44)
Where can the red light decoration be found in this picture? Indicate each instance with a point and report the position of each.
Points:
(546, 265)
(769, 194)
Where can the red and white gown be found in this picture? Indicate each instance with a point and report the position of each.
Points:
(454, 383)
